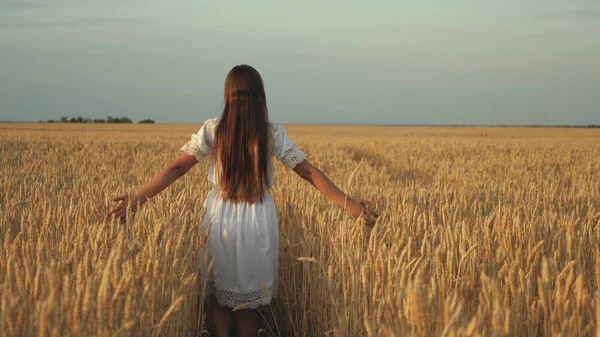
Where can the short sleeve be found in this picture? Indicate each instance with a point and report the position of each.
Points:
(202, 143)
(285, 150)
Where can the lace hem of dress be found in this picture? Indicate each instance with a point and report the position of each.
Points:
(231, 299)
(193, 150)
(293, 157)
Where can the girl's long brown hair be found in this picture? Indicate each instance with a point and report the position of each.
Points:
(242, 137)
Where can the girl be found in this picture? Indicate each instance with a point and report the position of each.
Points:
(240, 213)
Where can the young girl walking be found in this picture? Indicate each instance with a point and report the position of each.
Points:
(243, 238)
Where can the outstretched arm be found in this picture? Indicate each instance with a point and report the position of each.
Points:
(162, 180)
(355, 207)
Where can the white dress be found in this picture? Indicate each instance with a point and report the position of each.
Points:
(243, 238)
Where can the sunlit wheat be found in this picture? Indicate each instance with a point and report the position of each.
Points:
(484, 232)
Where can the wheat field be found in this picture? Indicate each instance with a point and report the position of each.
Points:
(485, 231)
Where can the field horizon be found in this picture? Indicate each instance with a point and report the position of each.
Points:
(341, 124)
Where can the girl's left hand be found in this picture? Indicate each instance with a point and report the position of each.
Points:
(120, 211)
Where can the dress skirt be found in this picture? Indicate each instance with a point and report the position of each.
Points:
(243, 242)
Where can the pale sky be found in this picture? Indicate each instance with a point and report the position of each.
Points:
(336, 62)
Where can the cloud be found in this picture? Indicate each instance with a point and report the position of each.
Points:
(584, 11)
(16, 14)
(22, 4)
(15, 23)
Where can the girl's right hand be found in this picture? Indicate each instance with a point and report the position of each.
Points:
(358, 207)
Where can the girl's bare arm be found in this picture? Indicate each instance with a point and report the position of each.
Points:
(162, 180)
(355, 207)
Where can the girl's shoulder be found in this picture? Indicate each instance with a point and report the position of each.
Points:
(210, 125)
(212, 121)
(274, 128)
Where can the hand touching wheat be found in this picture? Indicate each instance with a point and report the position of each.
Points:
(120, 211)
(358, 208)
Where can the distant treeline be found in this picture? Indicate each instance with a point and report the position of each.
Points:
(109, 119)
